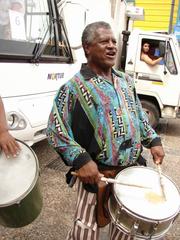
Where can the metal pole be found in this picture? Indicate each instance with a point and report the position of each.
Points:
(171, 17)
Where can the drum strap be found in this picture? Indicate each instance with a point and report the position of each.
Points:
(103, 194)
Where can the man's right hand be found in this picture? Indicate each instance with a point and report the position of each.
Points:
(89, 173)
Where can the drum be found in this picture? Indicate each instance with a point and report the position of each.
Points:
(143, 212)
(20, 197)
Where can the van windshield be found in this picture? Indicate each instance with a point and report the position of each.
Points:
(31, 29)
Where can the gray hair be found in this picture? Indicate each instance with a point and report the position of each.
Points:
(88, 34)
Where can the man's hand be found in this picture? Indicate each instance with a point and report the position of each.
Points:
(89, 173)
(8, 144)
(158, 154)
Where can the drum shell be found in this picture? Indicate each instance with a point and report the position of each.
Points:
(127, 218)
(24, 212)
(25, 203)
(125, 221)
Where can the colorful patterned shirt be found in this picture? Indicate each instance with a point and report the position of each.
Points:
(94, 119)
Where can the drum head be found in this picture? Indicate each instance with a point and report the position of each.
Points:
(17, 175)
(147, 203)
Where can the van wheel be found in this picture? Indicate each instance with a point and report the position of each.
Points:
(152, 112)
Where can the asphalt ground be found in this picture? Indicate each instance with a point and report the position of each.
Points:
(56, 216)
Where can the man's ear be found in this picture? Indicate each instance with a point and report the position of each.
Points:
(86, 48)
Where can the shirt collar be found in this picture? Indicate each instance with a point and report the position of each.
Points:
(87, 73)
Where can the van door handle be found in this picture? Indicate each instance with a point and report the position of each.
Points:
(143, 76)
(149, 77)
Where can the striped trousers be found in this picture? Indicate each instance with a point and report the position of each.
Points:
(85, 225)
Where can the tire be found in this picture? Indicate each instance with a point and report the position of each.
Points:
(152, 112)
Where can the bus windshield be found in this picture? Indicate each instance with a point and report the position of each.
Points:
(32, 30)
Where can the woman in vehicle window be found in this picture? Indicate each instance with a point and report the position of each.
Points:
(145, 56)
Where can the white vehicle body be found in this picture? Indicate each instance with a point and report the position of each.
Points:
(30, 74)
(29, 98)
(157, 86)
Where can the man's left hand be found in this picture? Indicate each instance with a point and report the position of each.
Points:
(158, 154)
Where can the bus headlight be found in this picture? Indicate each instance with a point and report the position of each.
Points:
(16, 121)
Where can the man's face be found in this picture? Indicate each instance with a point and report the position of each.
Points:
(102, 51)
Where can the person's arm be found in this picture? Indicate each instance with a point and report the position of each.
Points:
(60, 137)
(149, 138)
(7, 142)
(3, 122)
(148, 60)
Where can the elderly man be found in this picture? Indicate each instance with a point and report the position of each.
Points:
(97, 124)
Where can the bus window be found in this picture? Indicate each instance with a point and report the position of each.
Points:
(12, 19)
(30, 33)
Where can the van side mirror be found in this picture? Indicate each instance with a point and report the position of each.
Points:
(162, 49)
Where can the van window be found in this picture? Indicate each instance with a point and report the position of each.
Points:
(152, 50)
(170, 63)
(32, 33)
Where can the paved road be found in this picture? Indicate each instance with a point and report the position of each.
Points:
(58, 200)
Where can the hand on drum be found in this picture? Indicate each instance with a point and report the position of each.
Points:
(158, 154)
(89, 173)
(9, 145)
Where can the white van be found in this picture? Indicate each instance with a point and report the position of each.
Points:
(158, 86)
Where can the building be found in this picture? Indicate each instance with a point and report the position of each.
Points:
(160, 15)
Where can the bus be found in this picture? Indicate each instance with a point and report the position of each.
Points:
(35, 60)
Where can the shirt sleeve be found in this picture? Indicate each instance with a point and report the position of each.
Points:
(59, 130)
(149, 137)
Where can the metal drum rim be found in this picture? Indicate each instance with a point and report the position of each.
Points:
(135, 214)
(126, 230)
